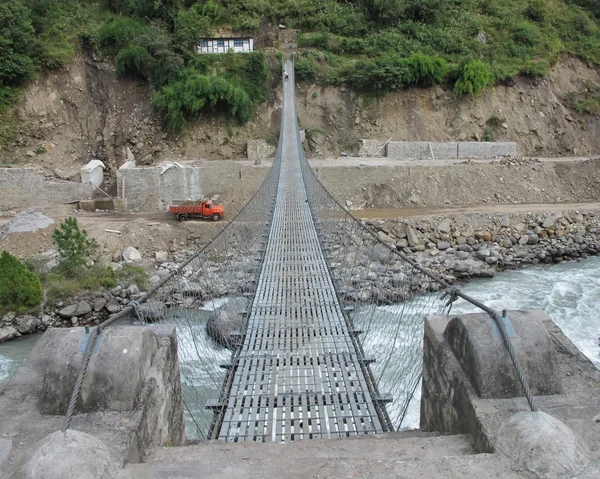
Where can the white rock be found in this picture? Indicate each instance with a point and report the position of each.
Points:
(131, 254)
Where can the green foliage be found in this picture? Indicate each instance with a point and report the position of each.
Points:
(394, 73)
(135, 60)
(475, 77)
(20, 289)
(118, 32)
(488, 135)
(495, 121)
(196, 93)
(192, 25)
(588, 106)
(16, 44)
(133, 274)
(74, 246)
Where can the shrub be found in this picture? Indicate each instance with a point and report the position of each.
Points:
(474, 78)
(537, 10)
(305, 68)
(495, 121)
(393, 73)
(20, 289)
(135, 60)
(195, 93)
(588, 106)
(117, 33)
(488, 135)
(74, 246)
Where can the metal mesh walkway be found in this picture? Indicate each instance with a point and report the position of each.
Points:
(298, 374)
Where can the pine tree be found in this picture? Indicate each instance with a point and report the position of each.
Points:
(74, 246)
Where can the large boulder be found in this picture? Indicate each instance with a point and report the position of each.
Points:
(80, 309)
(7, 333)
(27, 324)
(226, 319)
(63, 454)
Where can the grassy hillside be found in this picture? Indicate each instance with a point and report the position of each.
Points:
(374, 45)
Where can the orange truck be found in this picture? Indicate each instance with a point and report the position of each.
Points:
(202, 209)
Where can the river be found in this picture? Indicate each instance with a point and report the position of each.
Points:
(568, 292)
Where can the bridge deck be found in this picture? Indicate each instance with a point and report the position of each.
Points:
(298, 375)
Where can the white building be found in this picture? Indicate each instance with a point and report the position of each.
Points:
(224, 45)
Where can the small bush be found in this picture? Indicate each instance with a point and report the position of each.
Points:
(488, 135)
(495, 121)
(474, 78)
(74, 246)
(20, 289)
(588, 106)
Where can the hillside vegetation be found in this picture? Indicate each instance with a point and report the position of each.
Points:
(374, 45)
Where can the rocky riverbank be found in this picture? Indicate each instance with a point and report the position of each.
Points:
(464, 246)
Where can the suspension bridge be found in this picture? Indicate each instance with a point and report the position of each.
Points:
(319, 323)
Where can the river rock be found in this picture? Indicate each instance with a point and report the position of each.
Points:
(548, 221)
(113, 306)
(444, 226)
(226, 319)
(7, 333)
(462, 255)
(80, 309)
(161, 256)
(27, 324)
(411, 236)
(443, 245)
(151, 311)
(131, 254)
(99, 303)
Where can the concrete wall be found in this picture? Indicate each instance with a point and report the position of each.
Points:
(234, 182)
(369, 148)
(130, 398)
(469, 385)
(426, 150)
(28, 187)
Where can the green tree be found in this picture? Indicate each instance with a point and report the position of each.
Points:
(73, 244)
(20, 288)
(191, 25)
(17, 44)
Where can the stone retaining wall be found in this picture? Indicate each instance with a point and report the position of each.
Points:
(450, 150)
(154, 189)
(29, 188)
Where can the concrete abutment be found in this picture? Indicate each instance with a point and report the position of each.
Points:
(130, 399)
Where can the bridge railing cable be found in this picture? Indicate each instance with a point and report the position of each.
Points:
(386, 294)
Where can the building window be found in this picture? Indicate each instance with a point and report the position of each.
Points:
(221, 43)
(238, 43)
(204, 43)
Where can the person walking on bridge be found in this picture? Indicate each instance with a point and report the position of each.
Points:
(285, 75)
